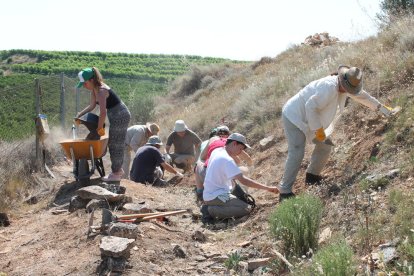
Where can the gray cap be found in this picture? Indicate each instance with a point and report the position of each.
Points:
(239, 138)
(154, 140)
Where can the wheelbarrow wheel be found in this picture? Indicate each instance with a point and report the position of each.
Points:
(100, 167)
(83, 172)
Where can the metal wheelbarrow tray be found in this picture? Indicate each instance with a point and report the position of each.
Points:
(81, 149)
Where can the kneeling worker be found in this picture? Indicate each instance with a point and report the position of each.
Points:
(149, 164)
(219, 203)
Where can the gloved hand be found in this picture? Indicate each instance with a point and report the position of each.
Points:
(77, 121)
(386, 110)
(320, 135)
(101, 132)
(179, 174)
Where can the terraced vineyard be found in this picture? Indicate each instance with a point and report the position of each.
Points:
(137, 78)
(154, 67)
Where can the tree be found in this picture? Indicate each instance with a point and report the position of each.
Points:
(393, 9)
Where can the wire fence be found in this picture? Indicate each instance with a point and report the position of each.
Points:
(58, 99)
(25, 106)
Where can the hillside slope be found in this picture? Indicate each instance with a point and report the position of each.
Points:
(248, 98)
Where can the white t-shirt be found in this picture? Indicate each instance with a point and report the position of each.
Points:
(220, 171)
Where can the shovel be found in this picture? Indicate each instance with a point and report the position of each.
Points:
(108, 217)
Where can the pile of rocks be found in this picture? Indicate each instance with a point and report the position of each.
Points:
(320, 40)
(103, 195)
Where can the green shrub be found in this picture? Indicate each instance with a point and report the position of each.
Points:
(376, 184)
(335, 259)
(296, 222)
(403, 219)
(233, 260)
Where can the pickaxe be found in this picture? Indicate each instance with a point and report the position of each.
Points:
(108, 217)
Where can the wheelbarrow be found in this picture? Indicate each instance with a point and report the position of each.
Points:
(81, 151)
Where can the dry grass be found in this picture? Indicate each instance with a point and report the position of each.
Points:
(19, 178)
(249, 99)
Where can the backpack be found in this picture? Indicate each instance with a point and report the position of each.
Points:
(242, 195)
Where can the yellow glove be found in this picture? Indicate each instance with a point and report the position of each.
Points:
(77, 121)
(101, 132)
(320, 135)
(386, 110)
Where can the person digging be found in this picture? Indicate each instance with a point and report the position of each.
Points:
(148, 165)
(219, 202)
(310, 115)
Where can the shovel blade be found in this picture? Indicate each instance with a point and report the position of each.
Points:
(107, 217)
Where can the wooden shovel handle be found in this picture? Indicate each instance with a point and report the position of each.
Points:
(163, 214)
(134, 216)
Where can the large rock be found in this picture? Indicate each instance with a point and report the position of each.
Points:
(115, 188)
(256, 263)
(95, 204)
(135, 208)
(124, 230)
(76, 202)
(267, 142)
(116, 247)
(96, 192)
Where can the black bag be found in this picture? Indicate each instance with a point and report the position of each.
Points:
(242, 195)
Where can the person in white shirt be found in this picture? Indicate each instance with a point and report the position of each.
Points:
(310, 115)
(219, 203)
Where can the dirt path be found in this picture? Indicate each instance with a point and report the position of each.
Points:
(40, 243)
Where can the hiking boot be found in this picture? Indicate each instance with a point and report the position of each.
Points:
(199, 194)
(313, 179)
(206, 218)
(285, 196)
(159, 183)
(200, 197)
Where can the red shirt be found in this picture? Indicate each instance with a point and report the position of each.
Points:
(219, 143)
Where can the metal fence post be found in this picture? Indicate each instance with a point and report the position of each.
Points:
(77, 101)
(62, 100)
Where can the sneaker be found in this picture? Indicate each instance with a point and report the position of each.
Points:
(112, 177)
(285, 196)
(206, 218)
(313, 179)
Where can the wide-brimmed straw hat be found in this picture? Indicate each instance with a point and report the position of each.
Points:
(153, 128)
(350, 78)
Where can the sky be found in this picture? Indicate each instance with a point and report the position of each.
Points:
(233, 29)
